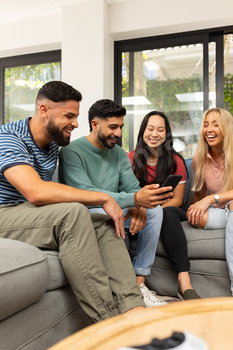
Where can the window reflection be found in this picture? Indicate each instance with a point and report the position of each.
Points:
(228, 72)
(21, 87)
(168, 80)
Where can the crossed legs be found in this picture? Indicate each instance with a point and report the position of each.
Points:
(95, 260)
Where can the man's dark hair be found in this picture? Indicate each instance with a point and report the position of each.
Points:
(105, 109)
(58, 91)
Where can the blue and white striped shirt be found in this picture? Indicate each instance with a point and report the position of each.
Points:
(18, 147)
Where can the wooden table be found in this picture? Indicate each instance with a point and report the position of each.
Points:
(210, 319)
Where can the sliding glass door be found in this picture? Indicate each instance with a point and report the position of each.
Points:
(178, 75)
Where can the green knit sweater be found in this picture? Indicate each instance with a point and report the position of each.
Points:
(84, 166)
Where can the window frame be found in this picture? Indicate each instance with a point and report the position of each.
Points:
(23, 60)
(185, 38)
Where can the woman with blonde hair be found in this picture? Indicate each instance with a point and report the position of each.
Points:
(212, 163)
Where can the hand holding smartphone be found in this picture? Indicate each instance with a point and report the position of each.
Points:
(172, 180)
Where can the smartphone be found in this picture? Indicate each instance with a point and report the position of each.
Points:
(172, 180)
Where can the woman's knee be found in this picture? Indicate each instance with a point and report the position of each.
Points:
(170, 213)
(171, 226)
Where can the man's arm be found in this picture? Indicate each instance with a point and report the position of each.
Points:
(73, 173)
(38, 192)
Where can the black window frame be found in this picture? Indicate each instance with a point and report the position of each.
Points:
(177, 39)
(23, 60)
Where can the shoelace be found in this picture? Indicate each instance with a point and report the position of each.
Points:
(149, 292)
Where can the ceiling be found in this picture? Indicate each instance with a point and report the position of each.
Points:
(15, 10)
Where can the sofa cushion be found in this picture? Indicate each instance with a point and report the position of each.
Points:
(188, 163)
(23, 276)
(202, 244)
(56, 275)
(38, 327)
(209, 277)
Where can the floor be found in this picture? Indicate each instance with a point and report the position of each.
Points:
(168, 299)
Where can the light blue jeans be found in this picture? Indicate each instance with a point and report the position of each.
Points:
(229, 243)
(223, 218)
(147, 239)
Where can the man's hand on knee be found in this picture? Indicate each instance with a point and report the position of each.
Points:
(116, 213)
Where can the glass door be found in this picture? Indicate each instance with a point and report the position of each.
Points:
(228, 72)
(168, 79)
(181, 75)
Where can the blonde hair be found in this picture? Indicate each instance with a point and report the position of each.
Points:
(225, 123)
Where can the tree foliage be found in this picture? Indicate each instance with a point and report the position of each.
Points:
(163, 97)
(21, 87)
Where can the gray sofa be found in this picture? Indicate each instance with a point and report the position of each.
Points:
(206, 251)
(37, 305)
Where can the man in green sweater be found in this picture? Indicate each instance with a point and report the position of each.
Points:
(96, 163)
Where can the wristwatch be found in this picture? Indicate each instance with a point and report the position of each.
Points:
(216, 197)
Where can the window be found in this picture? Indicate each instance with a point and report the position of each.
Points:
(21, 77)
(228, 72)
(181, 75)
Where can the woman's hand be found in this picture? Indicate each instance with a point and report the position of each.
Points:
(196, 211)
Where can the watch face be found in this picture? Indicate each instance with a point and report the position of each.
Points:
(216, 196)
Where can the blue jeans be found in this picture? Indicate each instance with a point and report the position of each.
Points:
(147, 239)
(220, 218)
(229, 243)
(217, 218)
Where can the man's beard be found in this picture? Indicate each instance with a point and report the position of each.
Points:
(56, 134)
(103, 139)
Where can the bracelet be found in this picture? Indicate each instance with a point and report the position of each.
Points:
(135, 201)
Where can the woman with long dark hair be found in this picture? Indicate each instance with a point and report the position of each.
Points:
(153, 160)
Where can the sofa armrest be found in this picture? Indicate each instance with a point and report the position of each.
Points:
(23, 276)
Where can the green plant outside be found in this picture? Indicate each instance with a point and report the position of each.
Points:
(21, 87)
(162, 95)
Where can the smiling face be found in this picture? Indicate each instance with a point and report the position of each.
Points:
(107, 131)
(211, 131)
(155, 132)
(62, 120)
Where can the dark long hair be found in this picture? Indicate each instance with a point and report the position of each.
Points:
(166, 154)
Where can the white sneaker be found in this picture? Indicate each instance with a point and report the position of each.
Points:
(149, 297)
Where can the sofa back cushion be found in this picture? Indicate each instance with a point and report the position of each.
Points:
(188, 193)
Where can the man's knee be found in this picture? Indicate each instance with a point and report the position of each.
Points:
(66, 211)
(100, 220)
(155, 213)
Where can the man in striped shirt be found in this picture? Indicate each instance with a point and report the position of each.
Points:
(50, 215)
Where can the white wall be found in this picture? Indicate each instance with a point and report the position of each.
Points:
(30, 36)
(139, 18)
(86, 32)
(87, 55)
